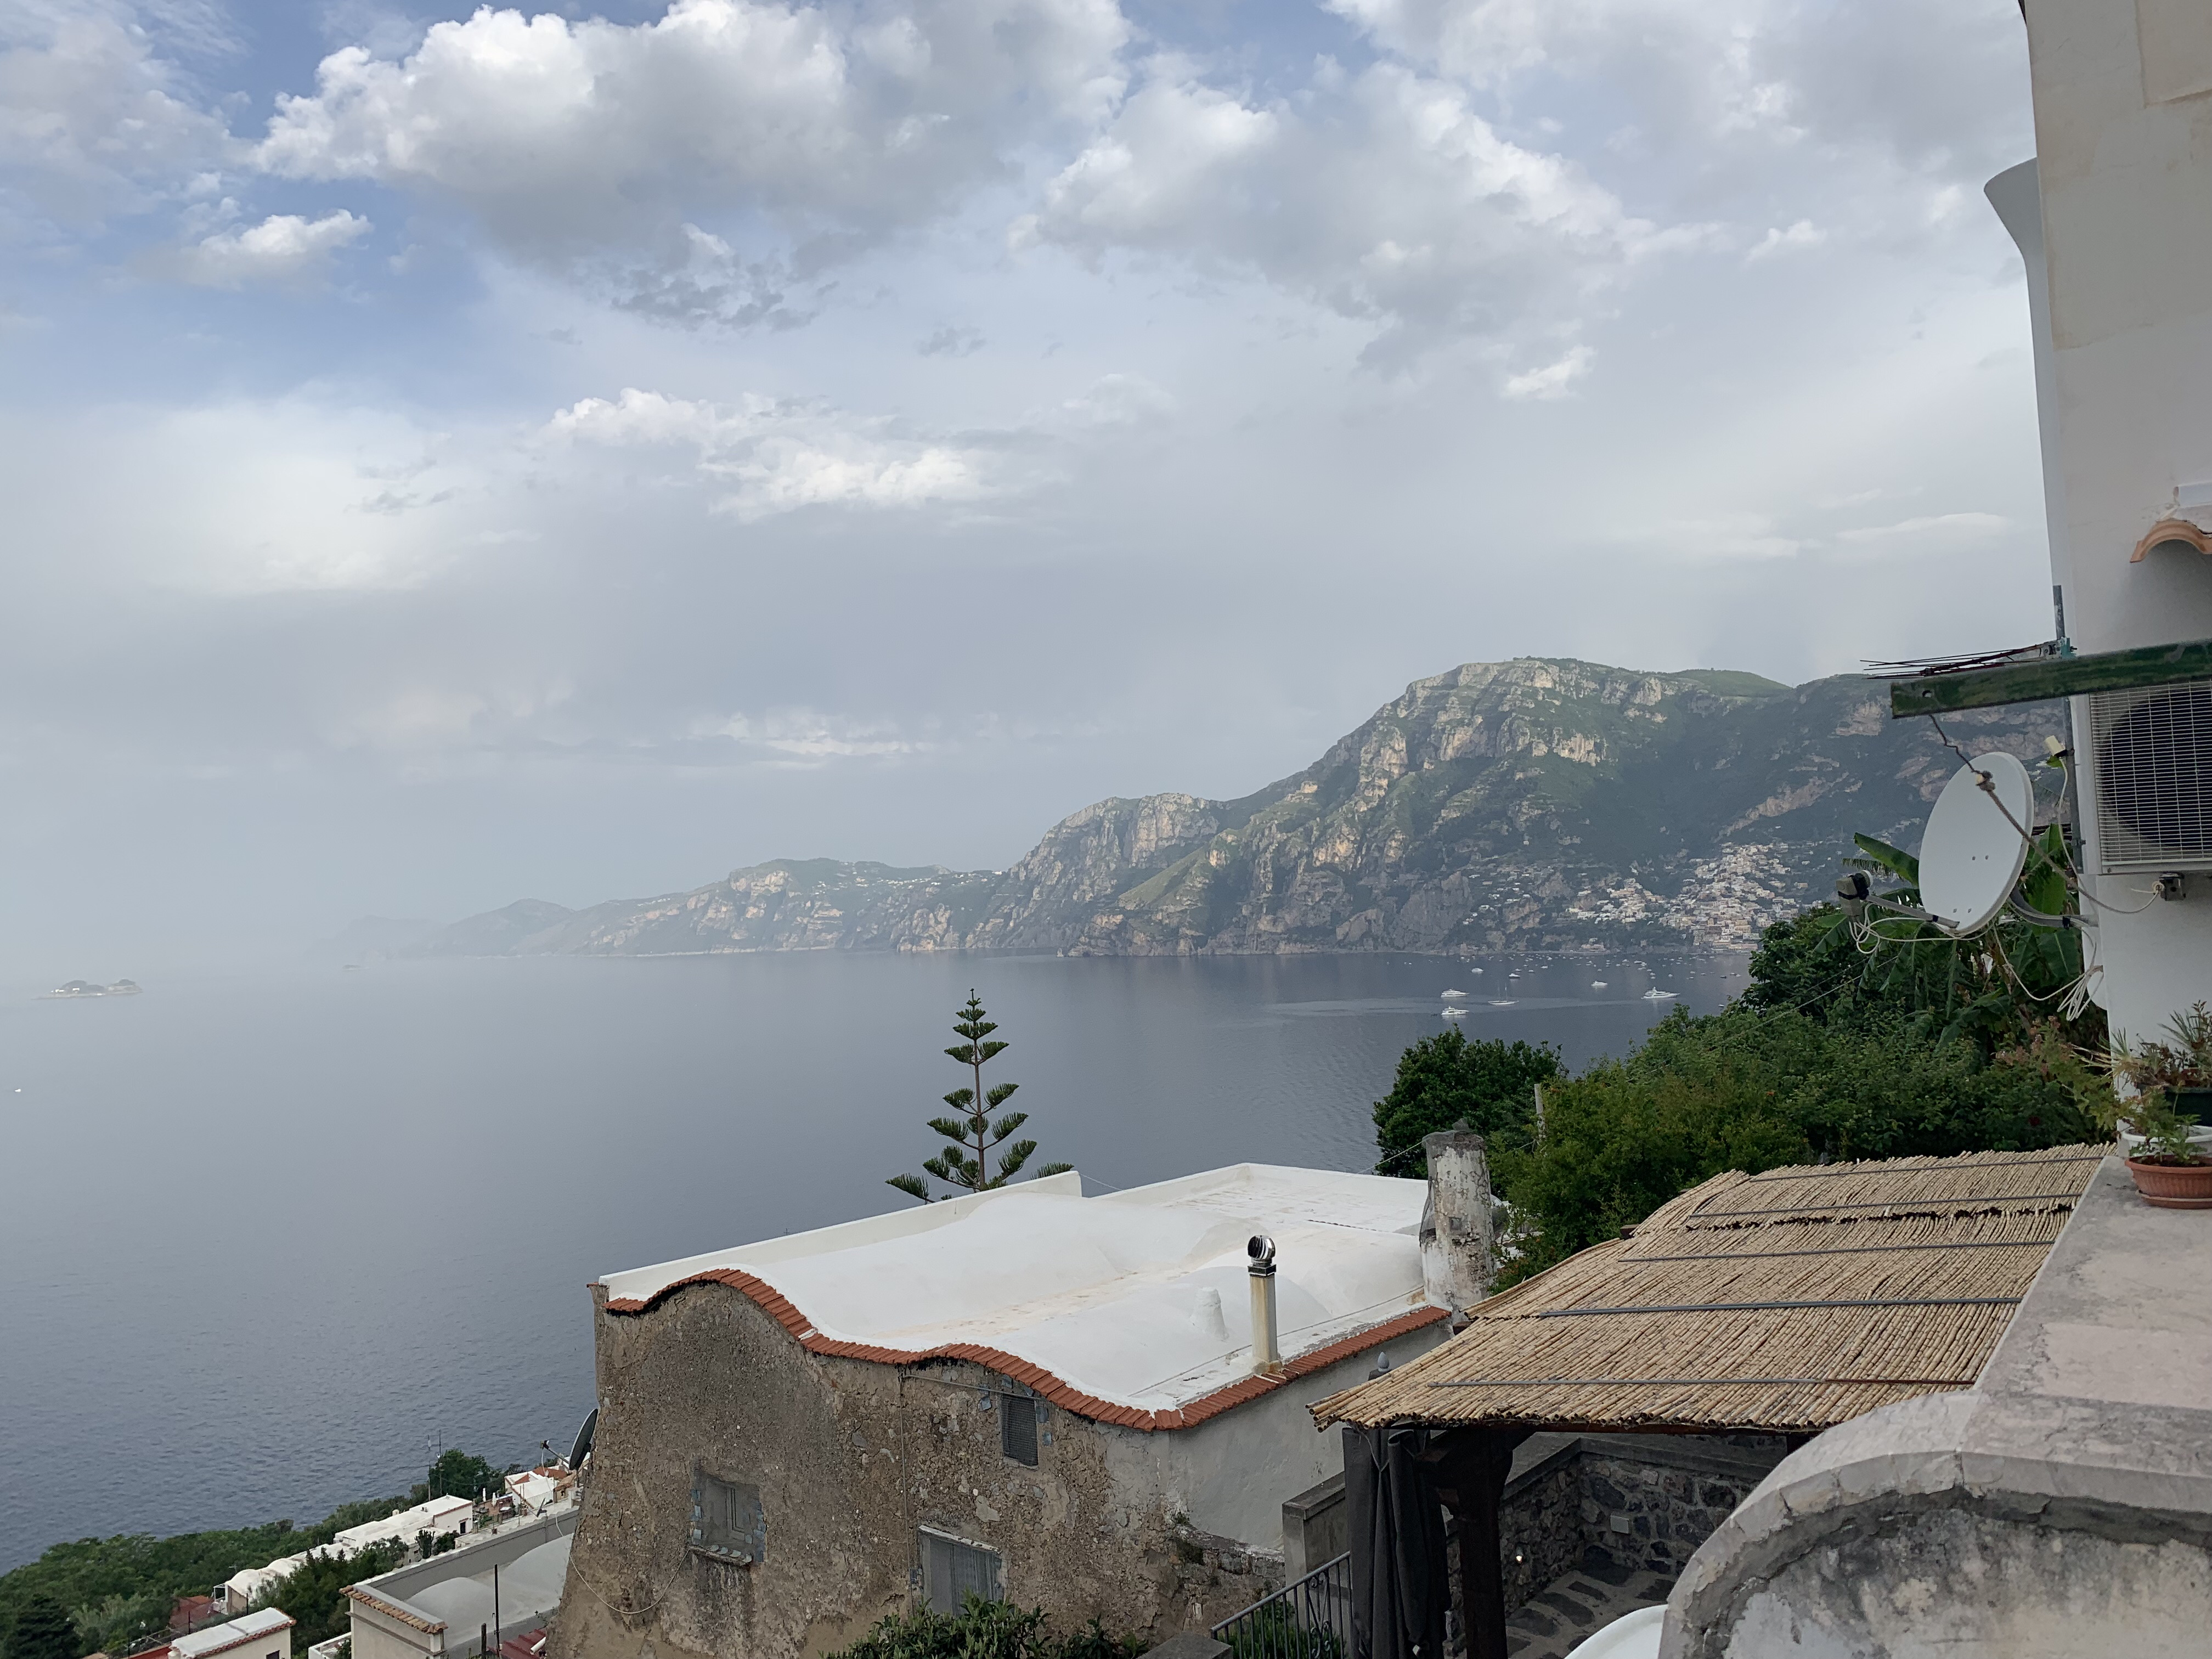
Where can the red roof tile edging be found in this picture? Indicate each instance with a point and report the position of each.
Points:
(1048, 1386)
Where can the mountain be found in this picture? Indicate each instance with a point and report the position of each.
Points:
(1532, 804)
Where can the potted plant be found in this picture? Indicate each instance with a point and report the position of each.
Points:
(2175, 1076)
(2171, 1169)
(2168, 1152)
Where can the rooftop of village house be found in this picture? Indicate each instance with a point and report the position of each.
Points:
(1129, 1306)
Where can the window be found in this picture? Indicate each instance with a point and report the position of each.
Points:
(728, 1522)
(953, 1570)
(1017, 1428)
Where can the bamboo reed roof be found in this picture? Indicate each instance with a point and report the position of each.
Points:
(1788, 1300)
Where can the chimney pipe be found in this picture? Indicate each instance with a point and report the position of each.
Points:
(1457, 1264)
(1266, 1360)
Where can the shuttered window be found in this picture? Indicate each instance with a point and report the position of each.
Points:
(728, 1522)
(1017, 1428)
(952, 1570)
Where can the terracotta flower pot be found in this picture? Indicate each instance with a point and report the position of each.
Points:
(2174, 1186)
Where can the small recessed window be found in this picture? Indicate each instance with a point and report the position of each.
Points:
(1017, 1428)
(728, 1522)
(953, 1570)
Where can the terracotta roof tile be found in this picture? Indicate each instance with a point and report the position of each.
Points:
(1049, 1387)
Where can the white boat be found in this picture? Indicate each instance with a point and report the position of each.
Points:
(1455, 996)
(1475, 970)
(1454, 1013)
(1655, 994)
(1597, 985)
(1506, 1002)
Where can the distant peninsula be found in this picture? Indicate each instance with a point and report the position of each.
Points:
(1536, 805)
(85, 987)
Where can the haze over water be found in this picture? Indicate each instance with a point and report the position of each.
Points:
(272, 1238)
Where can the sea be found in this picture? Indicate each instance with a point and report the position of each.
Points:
(273, 1237)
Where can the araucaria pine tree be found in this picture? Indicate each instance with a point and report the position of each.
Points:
(966, 1165)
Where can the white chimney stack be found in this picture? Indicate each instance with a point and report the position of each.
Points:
(1457, 1262)
(1266, 1359)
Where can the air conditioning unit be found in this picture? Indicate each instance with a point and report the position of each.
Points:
(2150, 756)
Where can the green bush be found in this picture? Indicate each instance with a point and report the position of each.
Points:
(1444, 1079)
(985, 1630)
(314, 1595)
(1743, 1089)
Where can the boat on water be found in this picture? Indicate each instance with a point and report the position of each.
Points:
(1655, 994)
(1505, 1002)
(1454, 1012)
(1597, 985)
(1455, 996)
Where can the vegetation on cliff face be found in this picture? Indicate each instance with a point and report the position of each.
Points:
(1536, 804)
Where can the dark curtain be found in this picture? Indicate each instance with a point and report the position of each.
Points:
(1399, 1586)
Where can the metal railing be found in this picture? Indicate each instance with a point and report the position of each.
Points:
(1308, 1619)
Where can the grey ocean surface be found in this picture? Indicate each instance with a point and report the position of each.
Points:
(269, 1239)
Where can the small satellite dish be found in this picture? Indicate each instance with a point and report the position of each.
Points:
(583, 1446)
(1973, 853)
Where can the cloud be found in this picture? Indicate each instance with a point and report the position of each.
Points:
(284, 250)
(951, 342)
(767, 457)
(809, 737)
(1801, 234)
(568, 138)
(1971, 526)
(92, 122)
(1553, 380)
(1386, 197)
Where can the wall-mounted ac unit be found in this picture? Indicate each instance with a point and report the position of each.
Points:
(2150, 754)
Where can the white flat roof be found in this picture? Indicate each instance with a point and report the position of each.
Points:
(220, 1638)
(1140, 1298)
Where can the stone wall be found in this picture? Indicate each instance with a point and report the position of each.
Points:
(1649, 1501)
(848, 1459)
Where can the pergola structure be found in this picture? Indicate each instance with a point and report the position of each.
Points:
(1783, 1302)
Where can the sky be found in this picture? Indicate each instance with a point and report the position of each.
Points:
(454, 456)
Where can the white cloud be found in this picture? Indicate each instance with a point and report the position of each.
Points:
(809, 737)
(284, 250)
(1386, 196)
(1553, 380)
(91, 121)
(1803, 233)
(767, 457)
(570, 138)
(1956, 526)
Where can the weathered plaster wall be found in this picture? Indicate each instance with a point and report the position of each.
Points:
(1952, 1582)
(851, 1457)
(1232, 1473)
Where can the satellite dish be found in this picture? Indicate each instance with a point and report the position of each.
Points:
(584, 1440)
(1972, 854)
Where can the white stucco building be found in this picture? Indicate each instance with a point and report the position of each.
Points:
(1025, 1392)
(2114, 219)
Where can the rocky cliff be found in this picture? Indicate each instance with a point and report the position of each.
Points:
(1531, 805)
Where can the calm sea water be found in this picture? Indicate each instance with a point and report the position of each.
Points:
(270, 1240)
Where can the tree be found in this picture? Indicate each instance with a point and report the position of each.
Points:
(458, 1474)
(966, 1164)
(44, 1630)
(1444, 1078)
(113, 1623)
